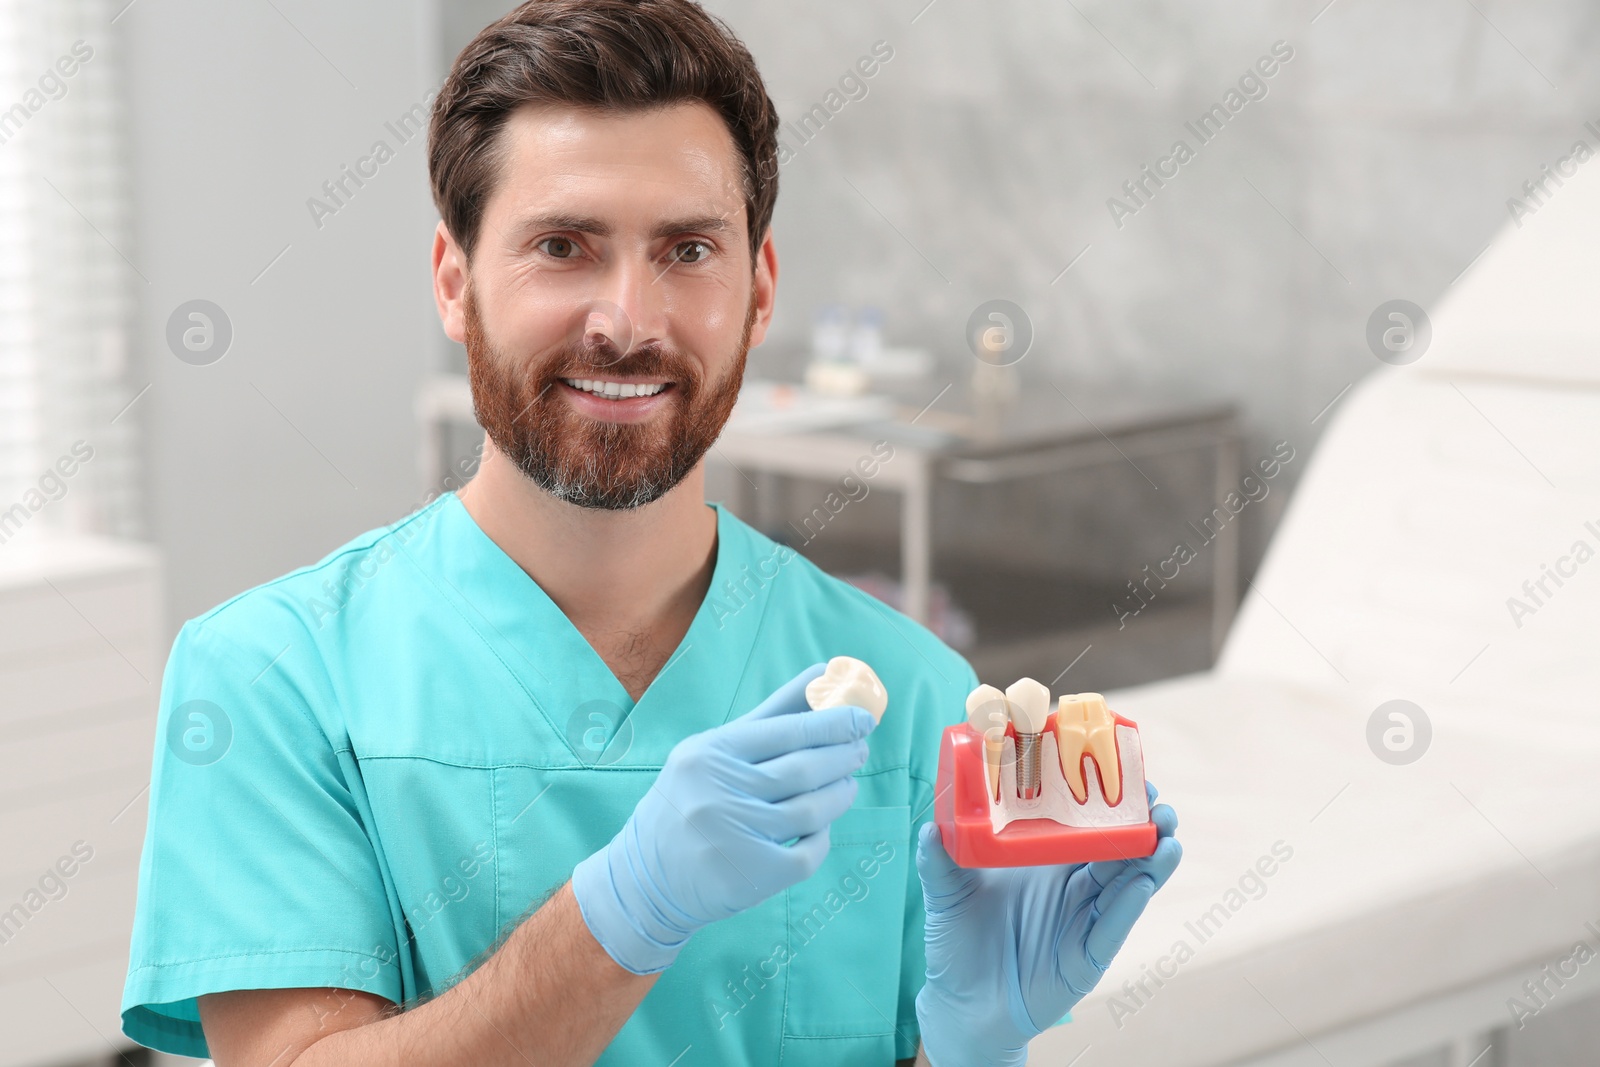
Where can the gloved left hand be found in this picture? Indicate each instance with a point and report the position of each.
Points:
(1012, 949)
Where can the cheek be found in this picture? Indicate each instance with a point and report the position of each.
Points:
(532, 322)
(708, 323)
(703, 304)
(718, 322)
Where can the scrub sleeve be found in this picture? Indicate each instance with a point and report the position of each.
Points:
(258, 871)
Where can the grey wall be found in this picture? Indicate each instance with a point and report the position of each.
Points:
(981, 161)
(301, 435)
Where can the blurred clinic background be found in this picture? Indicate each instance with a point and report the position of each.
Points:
(1286, 437)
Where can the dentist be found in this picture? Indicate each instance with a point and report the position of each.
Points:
(524, 788)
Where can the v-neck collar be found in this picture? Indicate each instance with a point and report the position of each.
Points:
(567, 681)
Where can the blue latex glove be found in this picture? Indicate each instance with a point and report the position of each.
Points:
(707, 840)
(1012, 949)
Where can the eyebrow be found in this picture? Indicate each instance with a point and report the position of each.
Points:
(589, 224)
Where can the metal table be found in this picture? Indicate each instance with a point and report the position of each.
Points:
(964, 438)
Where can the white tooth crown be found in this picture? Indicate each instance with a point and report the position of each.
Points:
(1030, 708)
(1030, 705)
(1084, 725)
(847, 680)
(987, 708)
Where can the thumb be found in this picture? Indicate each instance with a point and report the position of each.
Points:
(790, 697)
(943, 882)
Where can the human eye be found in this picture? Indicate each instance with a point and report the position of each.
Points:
(559, 247)
(690, 252)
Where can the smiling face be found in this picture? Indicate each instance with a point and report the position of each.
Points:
(611, 298)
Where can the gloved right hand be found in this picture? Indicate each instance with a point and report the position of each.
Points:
(708, 840)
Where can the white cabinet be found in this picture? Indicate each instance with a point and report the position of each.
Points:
(81, 653)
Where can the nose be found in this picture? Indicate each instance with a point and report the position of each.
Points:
(608, 323)
(628, 309)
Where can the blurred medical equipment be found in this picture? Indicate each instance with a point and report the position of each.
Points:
(941, 435)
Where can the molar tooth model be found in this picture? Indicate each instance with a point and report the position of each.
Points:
(847, 680)
(1066, 787)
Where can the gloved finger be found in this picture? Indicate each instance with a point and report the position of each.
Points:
(1161, 863)
(789, 697)
(806, 813)
(804, 858)
(1150, 791)
(1120, 904)
(943, 882)
(1104, 872)
(799, 772)
(756, 740)
(1166, 820)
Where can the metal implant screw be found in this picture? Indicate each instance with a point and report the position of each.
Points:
(1030, 785)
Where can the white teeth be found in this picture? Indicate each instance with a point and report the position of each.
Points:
(1030, 705)
(615, 390)
(1030, 709)
(848, 681)
(986, 708)
(1085, 726)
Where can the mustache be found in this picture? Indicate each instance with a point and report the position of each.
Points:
(648, 361)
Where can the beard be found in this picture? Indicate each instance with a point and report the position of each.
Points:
(609, 466)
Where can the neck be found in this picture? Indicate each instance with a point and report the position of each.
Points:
(629, 581)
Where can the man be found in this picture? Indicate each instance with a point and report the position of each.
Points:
(529, 776)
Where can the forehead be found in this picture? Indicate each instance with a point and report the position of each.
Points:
(669, 159)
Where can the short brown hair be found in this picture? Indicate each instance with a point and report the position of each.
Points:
(610, 55)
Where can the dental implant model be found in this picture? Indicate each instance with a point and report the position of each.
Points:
(1072, 791)
(1030, 711)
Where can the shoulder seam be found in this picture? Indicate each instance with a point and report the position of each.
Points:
(362, 543)
(299, 705)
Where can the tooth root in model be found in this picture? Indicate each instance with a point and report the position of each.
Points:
(1030, 710)
(987, 714)
(1085, 726)
(847, 680)
(994, 748)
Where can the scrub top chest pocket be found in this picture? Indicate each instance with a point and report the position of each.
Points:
(846, 928)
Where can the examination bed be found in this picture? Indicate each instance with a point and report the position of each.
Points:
(1414, 563)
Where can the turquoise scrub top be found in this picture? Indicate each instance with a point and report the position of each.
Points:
(369, 768)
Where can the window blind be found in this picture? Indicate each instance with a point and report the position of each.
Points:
(66, 276)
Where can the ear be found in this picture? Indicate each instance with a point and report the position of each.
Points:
(766, 288)
(449, 283)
